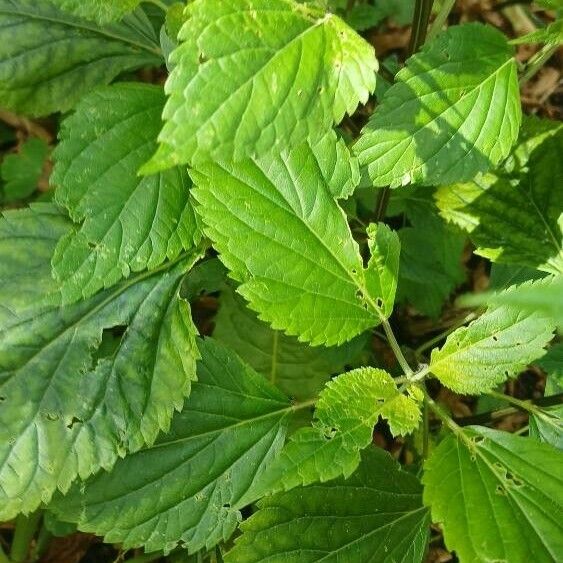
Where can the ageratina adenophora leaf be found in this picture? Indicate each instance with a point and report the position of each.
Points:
(345, 415)
(453, 111)
(185, 487)
(280, 232)
(250, 75)
(49, 59)
(374, 515)
(128, 223)
(297, 369)
(70, 406)
(496, 346)
(515, 216)
(498, 497)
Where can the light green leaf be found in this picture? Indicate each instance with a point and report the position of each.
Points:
(542, 296)
(185, 487)
(515, 217)
(286, 70)
(547, 424)
(498, 497)
(297, 369)
(453, 111)
(496, 346)
(21, 171)
(68, 406)
(345, 414)
(50, 59)
(128, 223)
(375, 515)
(100, 11)
(280, 232)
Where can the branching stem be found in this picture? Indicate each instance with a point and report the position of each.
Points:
(26, 526)
(396, 348)
(537, 62)
(440, 20)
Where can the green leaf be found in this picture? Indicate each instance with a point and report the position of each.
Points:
(100, 11)
(431, 257)
(496, 346)
(287, 71)
(280, 232)
(50, 59)
(297, 369)
(21, 171)
(542, 296)
(453, 111)
(346, 412)
(547, 424)
(498, 497)
(375, 515)
(551, 35)
(128, 223)
(185, 487)
(515, 217)
(68, 406)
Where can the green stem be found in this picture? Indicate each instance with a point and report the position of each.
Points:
(396, 348)
(445, 417)
(537, 62)
(43, 539)
(527, 405)
(439, 337)
(3, 556)
(440, 20)
(26, 526)
(382, 203)
(425, 430)
(421, 16)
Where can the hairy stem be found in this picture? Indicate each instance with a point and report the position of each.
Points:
(26, 526)
(537, 62)
(396, 348)
(439, 337)
(440, 20)
(3, 556)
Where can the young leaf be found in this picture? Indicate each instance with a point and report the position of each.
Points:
(128, 223)
(345, 415)
(251, 75)
(68, 406)
(297, 369)
(185, 487)
(497, 496)
(280, 232)
(21, 171)
(375, 515)
(547, 425)
(100, 11)
(453, 111)
(50, 59)
(496, 346)
(516, 221)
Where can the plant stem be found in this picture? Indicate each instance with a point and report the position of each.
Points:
(444, 416)
(382, 203)
(396, 348)
(444, 334)
(421, 16)
(537, 62)
(440, 20)
(43, 539)
(527, 405)
(425, 430)
(3, 556)
(26, 527)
